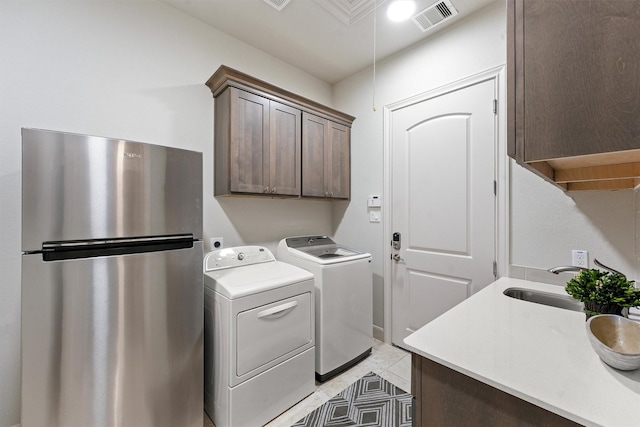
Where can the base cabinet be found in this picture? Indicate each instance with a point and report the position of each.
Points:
(444, 397)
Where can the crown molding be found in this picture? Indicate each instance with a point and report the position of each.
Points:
(350, 11)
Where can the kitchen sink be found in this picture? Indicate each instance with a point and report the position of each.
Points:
(545, 298)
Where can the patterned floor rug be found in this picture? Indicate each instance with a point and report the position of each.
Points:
(370, 401)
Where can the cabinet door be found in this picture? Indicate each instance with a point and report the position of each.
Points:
(577, 77)
(314, 169)
(249, 143)
(339, 165)
(285, 145)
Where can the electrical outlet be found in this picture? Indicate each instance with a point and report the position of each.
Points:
(216, 243)
(580, 258)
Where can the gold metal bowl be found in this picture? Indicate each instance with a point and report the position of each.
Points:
(616, 340)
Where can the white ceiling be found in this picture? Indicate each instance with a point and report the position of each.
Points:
(314, 35)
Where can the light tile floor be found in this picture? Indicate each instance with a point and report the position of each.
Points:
(391, 363)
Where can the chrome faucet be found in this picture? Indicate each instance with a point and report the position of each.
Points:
(609, 269)
(574, 269)
(566, 268)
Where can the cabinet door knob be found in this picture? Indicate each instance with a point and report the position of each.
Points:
(266, 190)
(273, 190)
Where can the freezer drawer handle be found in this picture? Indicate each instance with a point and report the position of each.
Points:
(273, 311)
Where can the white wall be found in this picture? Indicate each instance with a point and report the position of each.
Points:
(136, 70)
(132, 70)
(468, 47)
(545, 223)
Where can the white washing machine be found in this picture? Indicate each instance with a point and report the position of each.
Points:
(344, 300)
(259, 336)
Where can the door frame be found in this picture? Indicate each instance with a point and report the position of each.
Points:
(502, 174)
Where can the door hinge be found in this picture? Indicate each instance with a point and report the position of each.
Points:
(495, 187)
(495, 269)
(495, 106)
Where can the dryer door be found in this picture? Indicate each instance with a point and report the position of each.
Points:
(273, 330)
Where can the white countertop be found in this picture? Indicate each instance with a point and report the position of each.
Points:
(538, 353)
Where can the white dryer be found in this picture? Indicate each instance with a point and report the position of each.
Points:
(259, 336)
(344, 300)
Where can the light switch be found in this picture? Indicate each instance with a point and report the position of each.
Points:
(374, 201)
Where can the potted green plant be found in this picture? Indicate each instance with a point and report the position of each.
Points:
(603, 292)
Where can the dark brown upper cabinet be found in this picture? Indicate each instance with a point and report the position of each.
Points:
(257, 145)
(574, 91)
(325, 158)
(262, 145)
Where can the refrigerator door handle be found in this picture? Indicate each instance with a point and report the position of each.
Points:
(57, 251)
(125, 241)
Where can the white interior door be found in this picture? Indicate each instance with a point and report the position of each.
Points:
(442, 204)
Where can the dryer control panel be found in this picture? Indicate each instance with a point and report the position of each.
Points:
(237, 257)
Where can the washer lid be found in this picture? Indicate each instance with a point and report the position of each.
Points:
(241, 281)
(307, 241)
(322, 250)
(329, 251)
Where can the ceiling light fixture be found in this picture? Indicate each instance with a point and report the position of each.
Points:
(400, 10)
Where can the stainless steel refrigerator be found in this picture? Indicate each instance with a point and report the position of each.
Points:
(112, 298)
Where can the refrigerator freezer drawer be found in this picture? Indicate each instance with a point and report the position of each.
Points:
(113, 341)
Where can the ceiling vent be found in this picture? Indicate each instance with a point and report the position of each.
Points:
(434, 15)
(277, 4)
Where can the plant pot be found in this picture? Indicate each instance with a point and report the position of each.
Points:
(593, 308)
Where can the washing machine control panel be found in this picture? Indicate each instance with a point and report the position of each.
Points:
(236, 257)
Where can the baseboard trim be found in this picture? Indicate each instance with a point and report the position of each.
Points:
(378, 333)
